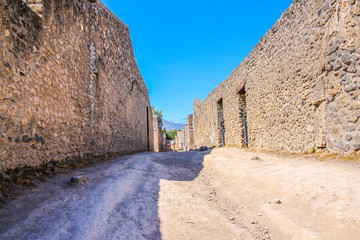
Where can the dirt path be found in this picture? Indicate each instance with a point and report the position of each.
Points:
(193, 195)
(233, 198)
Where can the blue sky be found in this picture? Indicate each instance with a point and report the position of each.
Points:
(185, 49)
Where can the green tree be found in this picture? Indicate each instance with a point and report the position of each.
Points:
(171, 134)
(159, 114)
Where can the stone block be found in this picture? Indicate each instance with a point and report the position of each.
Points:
(337, 66)
(78, 179)
(346, 58)
(298, 88)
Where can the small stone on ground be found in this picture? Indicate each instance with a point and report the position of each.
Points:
(203, 148)
(78, 179)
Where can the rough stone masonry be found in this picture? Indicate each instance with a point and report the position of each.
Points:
(69, 84)
(159, 136)
(297, 91)
(184, 139)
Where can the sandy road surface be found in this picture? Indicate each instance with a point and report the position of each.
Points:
(221, 194)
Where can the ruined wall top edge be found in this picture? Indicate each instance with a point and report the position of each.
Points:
(91, 10)
(288, 13)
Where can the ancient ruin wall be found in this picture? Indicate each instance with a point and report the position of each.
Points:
(191, 130)
(302, 84)
(184, 139)
(69, 84)
(157, 134)
(179, 139)
(160, 142)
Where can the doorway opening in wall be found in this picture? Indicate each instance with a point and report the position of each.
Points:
(243, 114)
(148, 128)
(221, 123)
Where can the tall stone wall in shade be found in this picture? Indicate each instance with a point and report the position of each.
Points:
(69, 84)
(182, 139)
(300, 85)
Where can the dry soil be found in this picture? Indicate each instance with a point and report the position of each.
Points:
(218, 194)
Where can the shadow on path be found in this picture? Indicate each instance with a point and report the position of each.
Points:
(119, 201)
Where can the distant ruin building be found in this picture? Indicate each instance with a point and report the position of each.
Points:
(297, 91)
(184, 139)
(69, 84)
(191, 131)
(160, 143)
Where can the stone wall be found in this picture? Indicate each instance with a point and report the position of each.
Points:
(157, 134)
(160, 143)
(69, 84)
(191, 131)
(299, 87)
(184, 138)
(164, 145)
(179, 140)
